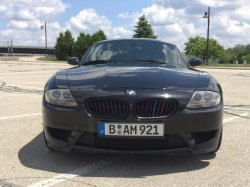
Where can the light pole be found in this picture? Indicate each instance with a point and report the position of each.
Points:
(207, 15)
(45, 27)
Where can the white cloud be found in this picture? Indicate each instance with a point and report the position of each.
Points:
(90, 21)
(2, 8)
(243, 12)
(126, 15)
(24, 23)
(22, 34)
(160, 15)
(230, 31)
(25, 19)
(122, 15)
(170, 24)
(32, 9)
(121, 31)
(27, 25)
(175, 21)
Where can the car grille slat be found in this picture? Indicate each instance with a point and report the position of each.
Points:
(118, 108)
(103, 106)
(111, 108)
(146, 108)
(107, 108)
(158, 109)
(106, 103)
(166, 108)
(96, 108)
(151, 107)
(100, 107)
(155, 108)
(123, 107)
(170, 107)
(142, 109)
(115, 107)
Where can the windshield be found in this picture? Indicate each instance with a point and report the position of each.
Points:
(137, 51)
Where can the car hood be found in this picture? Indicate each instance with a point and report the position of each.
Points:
(130, 76)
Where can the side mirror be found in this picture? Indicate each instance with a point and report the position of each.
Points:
(73, 61)
(195, 61)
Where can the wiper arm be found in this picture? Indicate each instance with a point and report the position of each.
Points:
(92, 62)
(146, 61)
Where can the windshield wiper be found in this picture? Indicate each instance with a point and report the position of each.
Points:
(92, 62)
(146, 61)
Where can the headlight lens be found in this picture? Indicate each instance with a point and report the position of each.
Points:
(60, 97)
(204, 99)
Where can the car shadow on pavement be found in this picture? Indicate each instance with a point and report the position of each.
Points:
(35, 155)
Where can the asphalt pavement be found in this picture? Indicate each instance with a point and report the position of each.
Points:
(25, 161)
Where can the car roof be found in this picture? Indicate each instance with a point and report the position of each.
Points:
(138, 39)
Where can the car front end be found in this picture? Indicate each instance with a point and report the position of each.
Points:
(138, 108)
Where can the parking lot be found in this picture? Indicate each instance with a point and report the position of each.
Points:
(25, 161)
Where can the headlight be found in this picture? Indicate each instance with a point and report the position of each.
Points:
(204, 99)
(60, 97)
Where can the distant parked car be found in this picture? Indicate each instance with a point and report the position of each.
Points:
(133, 96)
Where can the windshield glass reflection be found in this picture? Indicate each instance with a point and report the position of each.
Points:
(138, 51)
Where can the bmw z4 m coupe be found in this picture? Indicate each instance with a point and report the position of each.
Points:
(133, 96)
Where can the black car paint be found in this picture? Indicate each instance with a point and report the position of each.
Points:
(149, 81)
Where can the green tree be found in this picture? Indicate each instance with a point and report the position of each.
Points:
(247, 58)
(196, 46)
(247, 49)
(84, 41)
(144, 29)
(238, 51)
(64, 46)
(225, 57)
(82, 44)
(98, 36)
(69, 41)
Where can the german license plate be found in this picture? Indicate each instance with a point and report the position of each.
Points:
(128, 129)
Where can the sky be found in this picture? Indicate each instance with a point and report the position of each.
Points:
(173, 21)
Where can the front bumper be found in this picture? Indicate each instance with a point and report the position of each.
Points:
(199, 129)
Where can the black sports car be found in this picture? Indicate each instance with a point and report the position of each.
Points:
(133, 96)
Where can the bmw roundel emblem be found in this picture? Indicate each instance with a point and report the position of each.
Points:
(131, 92)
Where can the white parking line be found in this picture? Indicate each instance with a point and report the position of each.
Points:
(237, 108)
(23, 77)
(15, 95)
(235, 117)
(25, 72)
(33, 83)
(80, 171)
(18, 116)
(60, 178)
(15, 85)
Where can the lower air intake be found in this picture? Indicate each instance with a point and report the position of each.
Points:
(168, 142)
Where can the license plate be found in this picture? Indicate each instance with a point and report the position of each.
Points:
(127, 129)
